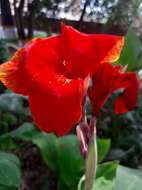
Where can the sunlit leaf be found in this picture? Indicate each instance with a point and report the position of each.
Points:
(103, 146)
(10, 174)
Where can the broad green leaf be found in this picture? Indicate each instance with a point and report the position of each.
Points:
(70, 162)
(26, 131)
(7, 143)
(3, 127)
(111, 176)
(103, 146)
(4, 187)
(128, 179)
(9, 118)
(10, 174)
(103, 184)
(108, 170)
(10, 157)
(131, 53)
(48, 147)
(63, 186)
(62, 155)
(105, 176)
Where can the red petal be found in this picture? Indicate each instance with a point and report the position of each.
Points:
(127, 101)
(102, 86)
(58, 108)
(43, 58)
(108, 79)
(83, 52)
(108, 47)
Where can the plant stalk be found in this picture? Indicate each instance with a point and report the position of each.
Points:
(91, 161)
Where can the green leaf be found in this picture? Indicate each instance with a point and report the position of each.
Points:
(4, 187)
(108, 170)
(26, 131)
(3, 127)
(111, 176)
(10, 174)
(103, 146)
(63, 186)
(70, 162)
(103, 184)
(47, 146)
(7, 143)
(63, 156)
(128, 179)
(9, 118)
(105, 176)
(131, 52)
(10, 157)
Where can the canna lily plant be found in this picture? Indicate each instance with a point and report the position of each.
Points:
(58, 74)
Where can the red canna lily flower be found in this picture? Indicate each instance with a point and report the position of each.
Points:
(53, 71)
(106, 80)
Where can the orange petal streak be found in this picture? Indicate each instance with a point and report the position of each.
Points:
(14, 75)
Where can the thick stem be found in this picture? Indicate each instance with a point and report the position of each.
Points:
(91, 161)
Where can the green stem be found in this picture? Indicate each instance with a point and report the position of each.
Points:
(91, 162)
(79, 187)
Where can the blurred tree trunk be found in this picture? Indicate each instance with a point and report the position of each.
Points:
(7, 19)
(30, 20)
(19, 18)
(32, 8)
(83, 12)
(123, 15)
